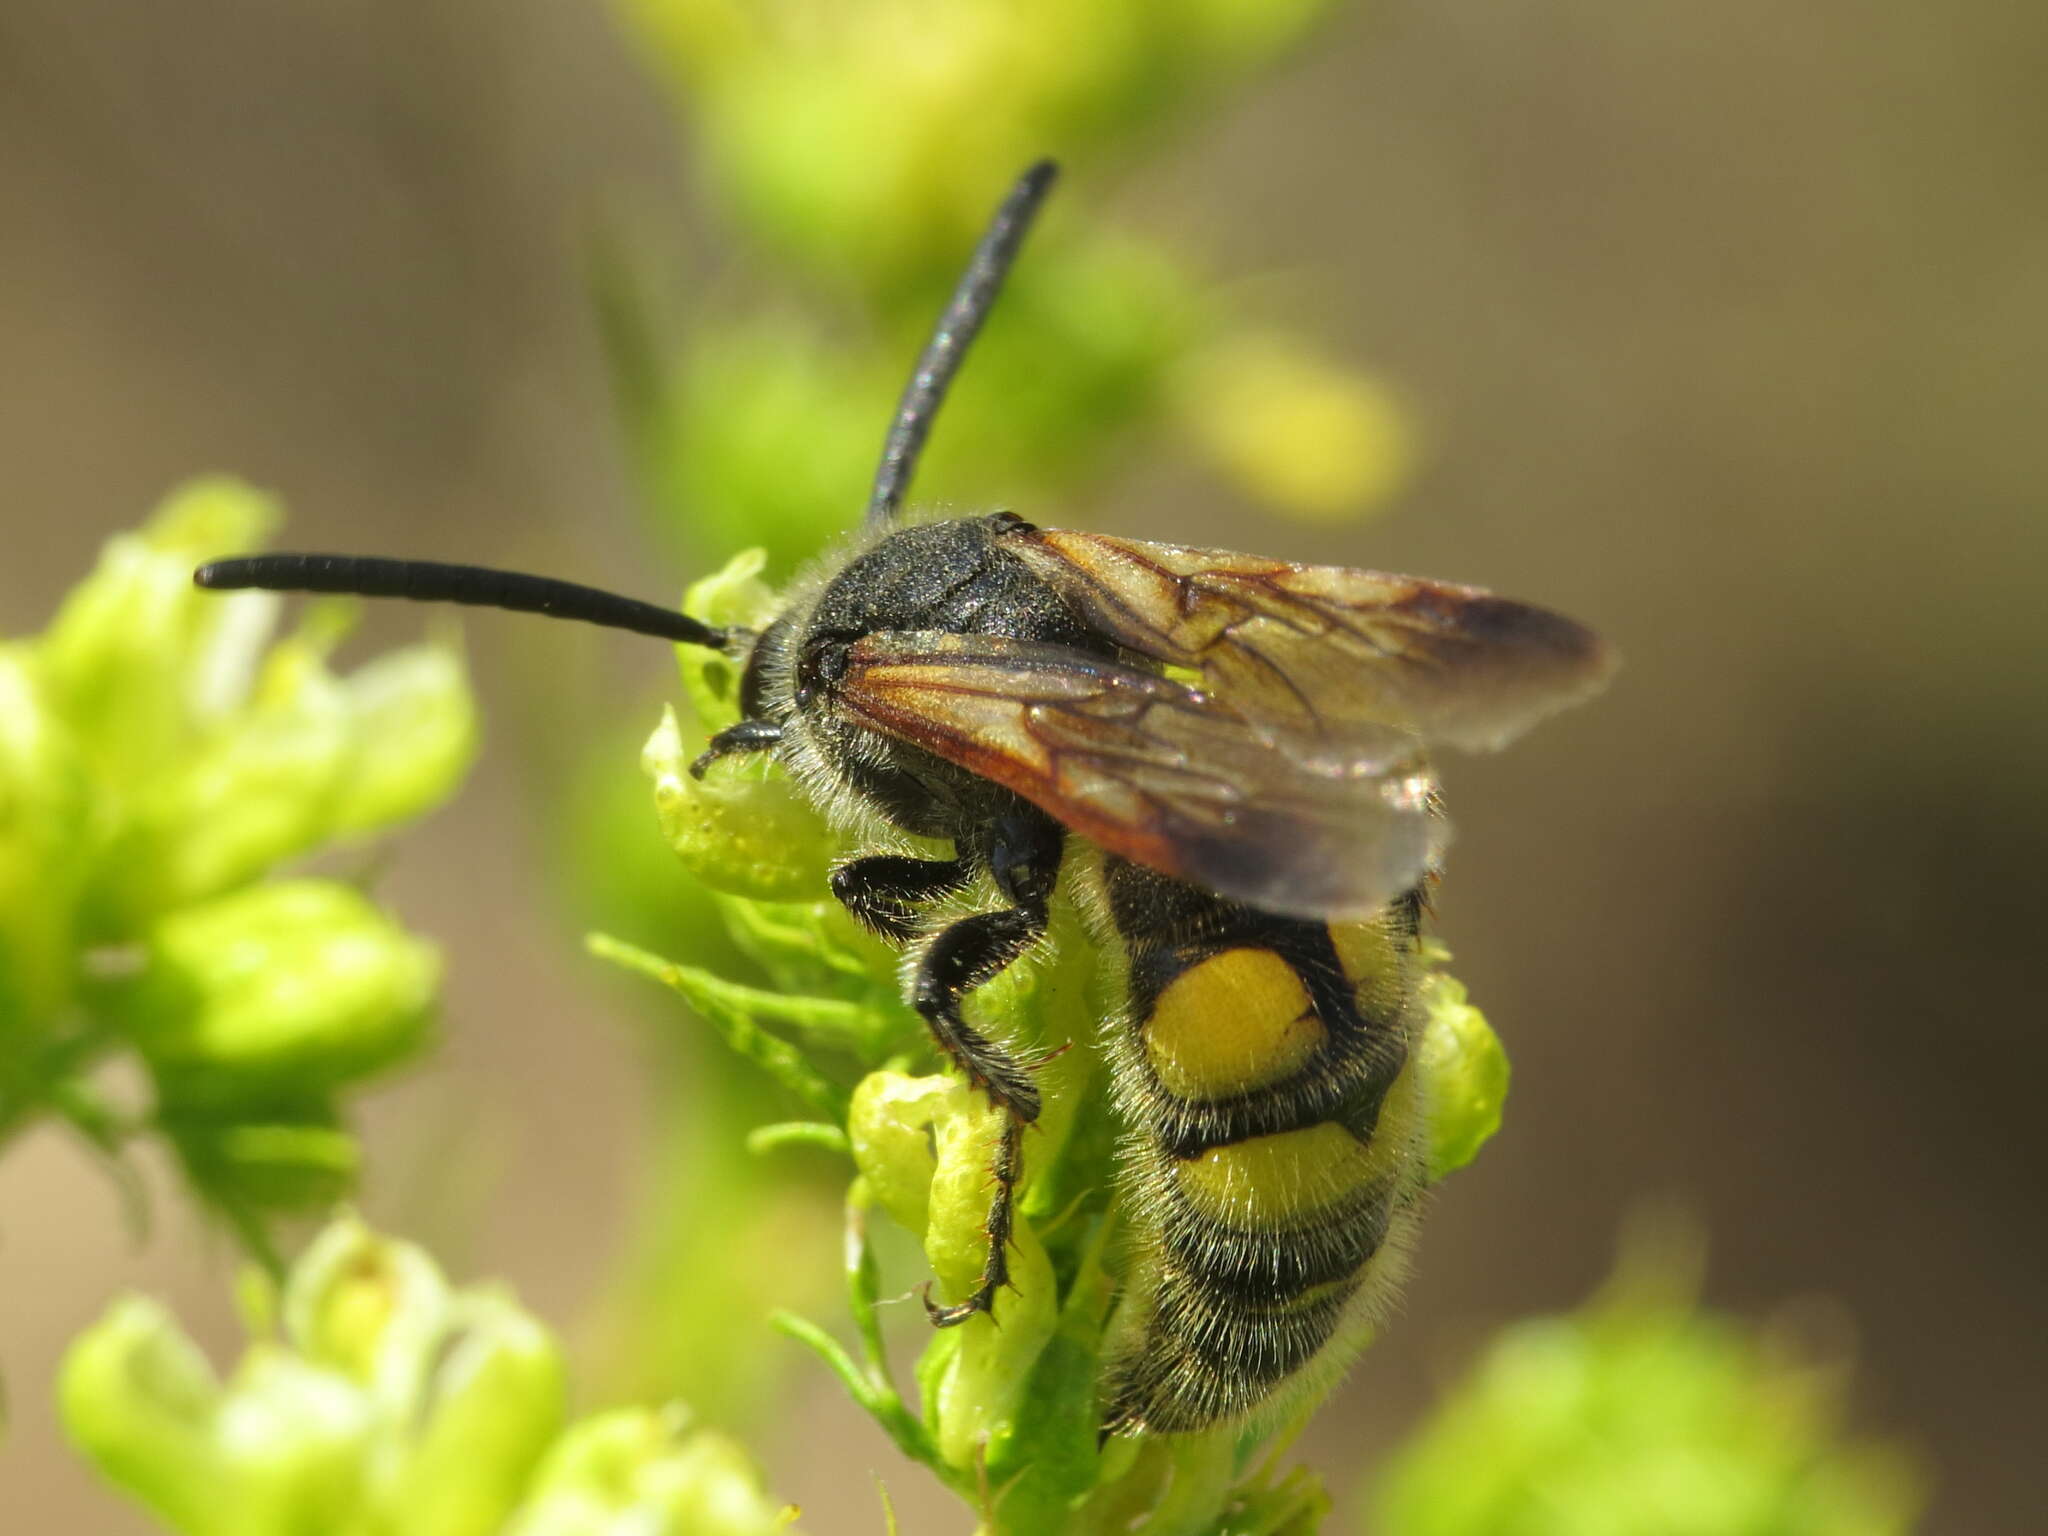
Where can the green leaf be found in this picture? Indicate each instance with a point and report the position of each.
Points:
(797, 1133)
(876, 1398)
(731, 1010)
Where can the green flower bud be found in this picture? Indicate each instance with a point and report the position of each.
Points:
(283, 1158)
(310, 758)
(495, 1402)
(889, 1124)
(138, 660)
(298, 985)
(254, 791)
(392, 1404)
(369, 1308)
(731, 597)
(212, 760)
(413, 729)
(291, 1440)
(925, 1146)
(644, 1471)
(468, 1389)
(46, 845)
(139, 1399)
(278, 1451)
(1465, 1072)
(740, 829)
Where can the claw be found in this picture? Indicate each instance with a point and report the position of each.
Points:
(981, 1303)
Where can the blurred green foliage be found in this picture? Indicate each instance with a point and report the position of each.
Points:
(159, 756)
(377, 1400)
(858, 150)
(1641, 1412)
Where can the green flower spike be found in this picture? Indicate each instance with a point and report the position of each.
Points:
(382, 1402)
(159, 756)
(1007, 1406)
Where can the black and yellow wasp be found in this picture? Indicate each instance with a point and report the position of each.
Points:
(1222, 759)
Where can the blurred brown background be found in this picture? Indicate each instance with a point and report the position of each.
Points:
(1728, 329)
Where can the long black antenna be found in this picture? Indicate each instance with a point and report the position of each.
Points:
(940, 361)
(429, 581)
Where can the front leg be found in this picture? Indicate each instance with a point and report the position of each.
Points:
(1023, 855)
(742, 736)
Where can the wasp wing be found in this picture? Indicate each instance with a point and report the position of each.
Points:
(1166, 775)
(1322, 650)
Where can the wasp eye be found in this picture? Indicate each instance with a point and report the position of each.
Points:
(1009, 522)
(822, 664)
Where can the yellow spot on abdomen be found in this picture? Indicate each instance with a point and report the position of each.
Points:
(1365, 950)
(1236, 1021)
(1379, 964)
(1270, 1181)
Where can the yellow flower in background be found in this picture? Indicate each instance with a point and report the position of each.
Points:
(1294, 430)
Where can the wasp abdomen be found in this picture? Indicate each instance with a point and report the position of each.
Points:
(1264, 1072)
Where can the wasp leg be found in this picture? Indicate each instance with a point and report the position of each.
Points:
(743, 736)
(995, 1268)
(1024, 857)
(884, 892)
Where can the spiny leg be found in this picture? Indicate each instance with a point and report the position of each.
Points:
(884, 892)
(1023, 856)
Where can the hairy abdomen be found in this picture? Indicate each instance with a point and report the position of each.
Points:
(1262, 1071)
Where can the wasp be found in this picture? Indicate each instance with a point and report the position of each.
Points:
(1224, 759)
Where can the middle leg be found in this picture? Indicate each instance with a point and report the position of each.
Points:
(1023, 856)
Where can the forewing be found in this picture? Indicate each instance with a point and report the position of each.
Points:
(1323, 651)
(1166, 775)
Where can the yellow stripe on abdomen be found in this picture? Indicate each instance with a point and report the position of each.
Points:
(1236, 1021)
(1273, 1181)
(1267, 1183)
